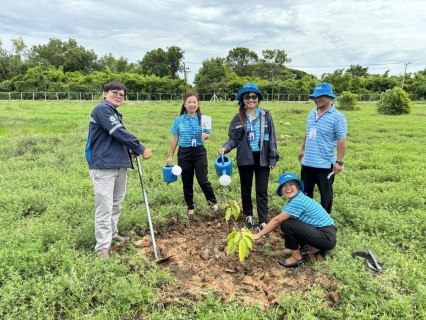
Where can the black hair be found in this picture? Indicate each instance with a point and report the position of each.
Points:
(114, 85)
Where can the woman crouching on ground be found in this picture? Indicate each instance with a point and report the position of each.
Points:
(303, 222)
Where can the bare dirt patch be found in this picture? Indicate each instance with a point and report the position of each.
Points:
(198, 260)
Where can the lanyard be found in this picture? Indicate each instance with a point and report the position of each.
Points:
(253, 122)
(193, 128)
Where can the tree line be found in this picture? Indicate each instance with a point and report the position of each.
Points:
(65, 66)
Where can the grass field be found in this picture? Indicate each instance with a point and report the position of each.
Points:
(47, 266)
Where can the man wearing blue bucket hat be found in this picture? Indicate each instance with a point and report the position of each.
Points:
(325, 131)
(303, 222)
(252, 132)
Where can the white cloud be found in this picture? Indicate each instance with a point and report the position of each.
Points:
(319, 37)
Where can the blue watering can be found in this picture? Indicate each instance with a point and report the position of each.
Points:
(223, 166)
(168, 175)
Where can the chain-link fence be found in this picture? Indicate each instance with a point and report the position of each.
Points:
(141, 96)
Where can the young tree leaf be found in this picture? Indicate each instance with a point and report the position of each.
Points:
(248, 241)
(242, 250)
(232, 234)
(233, 242)
(228, 213)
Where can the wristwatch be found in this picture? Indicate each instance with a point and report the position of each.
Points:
(340, 163)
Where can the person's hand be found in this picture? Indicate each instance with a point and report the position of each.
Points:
(256, 236)
(337, 168)
(205, 136)
(271, 167)
(222, 151)
(169, 161)
(301, 155)
(147, 153)
(132, 155)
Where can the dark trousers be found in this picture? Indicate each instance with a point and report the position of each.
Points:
(190, 160)
(317, 176)
(261, 183)
(298, 233)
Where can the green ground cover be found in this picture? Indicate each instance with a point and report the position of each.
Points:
(47, 266)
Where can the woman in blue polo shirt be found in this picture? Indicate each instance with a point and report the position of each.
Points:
(303, 221)
(189, 135)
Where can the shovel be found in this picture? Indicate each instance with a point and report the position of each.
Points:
(149, 215)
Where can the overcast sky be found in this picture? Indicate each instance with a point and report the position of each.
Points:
(318, 36)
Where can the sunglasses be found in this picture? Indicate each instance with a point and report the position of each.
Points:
(248, 97)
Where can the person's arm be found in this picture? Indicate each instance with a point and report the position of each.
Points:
(272, 225)
(302, 151)
(106, 118)
(273, 150)
(341, 150)
(233, 137)
(173, 145)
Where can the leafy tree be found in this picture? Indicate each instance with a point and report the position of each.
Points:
(381, 83)
(394, 102)
(242, 61)
(119, 65)
(339, 79)
(13, 62)
(419, 84)
(358, 70)
(272, 65)
(162, 63)
(212, 76)
(67, 54)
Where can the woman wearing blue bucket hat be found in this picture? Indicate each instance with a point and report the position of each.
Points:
(303, 222)
(252, 132)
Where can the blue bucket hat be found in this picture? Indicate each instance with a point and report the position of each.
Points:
(288, 176)
(323, 89)
(248, 87)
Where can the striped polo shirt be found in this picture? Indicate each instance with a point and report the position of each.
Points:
(255, 145)
(184, 126)
(321, 137)
(307, 210)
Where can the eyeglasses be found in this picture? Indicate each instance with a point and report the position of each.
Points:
(248, 97)
(116, 93)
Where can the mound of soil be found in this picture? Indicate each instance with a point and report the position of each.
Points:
(197, 258)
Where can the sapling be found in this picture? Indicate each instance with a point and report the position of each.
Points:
(243, 239)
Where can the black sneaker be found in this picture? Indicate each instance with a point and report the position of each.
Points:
(249, 222)
(261, 227)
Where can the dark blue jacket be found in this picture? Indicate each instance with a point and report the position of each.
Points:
(108, 142)
(268, 143)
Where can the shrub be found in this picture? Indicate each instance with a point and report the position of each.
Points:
(348, 101)
(394, 102)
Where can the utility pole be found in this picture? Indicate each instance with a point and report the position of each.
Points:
(405, 70)
(185, 70)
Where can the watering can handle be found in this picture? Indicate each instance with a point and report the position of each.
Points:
(223, 160)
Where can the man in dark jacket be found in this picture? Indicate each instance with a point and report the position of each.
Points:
(109, 150)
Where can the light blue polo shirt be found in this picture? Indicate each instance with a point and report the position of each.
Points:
(184, 127)
(307, 210)
(321, 137)
(255, 145)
